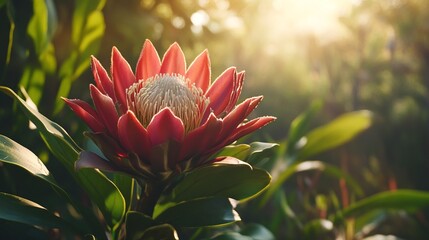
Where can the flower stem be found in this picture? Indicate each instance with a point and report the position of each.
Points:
(151, 191)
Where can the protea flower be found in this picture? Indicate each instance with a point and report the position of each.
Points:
(165, 118)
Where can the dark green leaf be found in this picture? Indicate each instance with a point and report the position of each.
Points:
(335, 133)
(163, 231)
(231, 236)
(238, 181)
(17, 209)
(200, 212)
(13, 153)
(125, 184)
(248, 232)
(399, 200)
(136, 224)
(308, 166)
(99, 188)
(257, 232)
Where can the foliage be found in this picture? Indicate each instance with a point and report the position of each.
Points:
(337, 172)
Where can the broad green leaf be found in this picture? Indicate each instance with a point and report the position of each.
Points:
(18, 209)
(14, 153)
(248, 232)
(139, 226)
(200, 212)
(240, 151)
(231, 236)
(163, 231)
(99, 188)
(334, 134)
(397, 200)
(136, 224)
(125, 184)
(261, 150)
(237, 181)
(300, 126)
(308, 166)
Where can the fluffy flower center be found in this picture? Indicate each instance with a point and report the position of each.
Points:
(148, 96)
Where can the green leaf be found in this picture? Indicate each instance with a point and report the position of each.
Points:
(237, 181)
(200, 212)
(163, 231)
(335, 133)
(260, 150)
(125, 184)
(300, 126)
(248, 232)
(38, 26)
(136, 224)
(398, 200)
(99, 188)
(13, 153)
(17, 209)
(140, 226)
(87, 31)
(240, 151)
(308, 166)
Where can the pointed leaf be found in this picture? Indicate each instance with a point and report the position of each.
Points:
(237, 181)
(398, 200)
(335, 133)
(200, 212)
(240, 151)
(13, 153)
(17, 209)
(99, 188)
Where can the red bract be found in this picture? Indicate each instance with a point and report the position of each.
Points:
(165, 118)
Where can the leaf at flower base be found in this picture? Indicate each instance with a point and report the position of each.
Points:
(136, 224)
(230, 178)
(335, 133)
(400, 200)
(99, 188)
(308, 166)
(260, 150)
(18, 209)
(240, 151)
(200, 212)
(140, 226)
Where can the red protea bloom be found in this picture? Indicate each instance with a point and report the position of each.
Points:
(165, 118)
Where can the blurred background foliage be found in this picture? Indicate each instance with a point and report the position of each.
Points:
(342, 56)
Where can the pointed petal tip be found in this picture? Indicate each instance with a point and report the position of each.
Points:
(165, 126)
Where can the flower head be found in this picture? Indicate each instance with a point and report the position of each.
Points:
(164, 118)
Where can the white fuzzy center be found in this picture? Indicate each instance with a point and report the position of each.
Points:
(147, 97)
